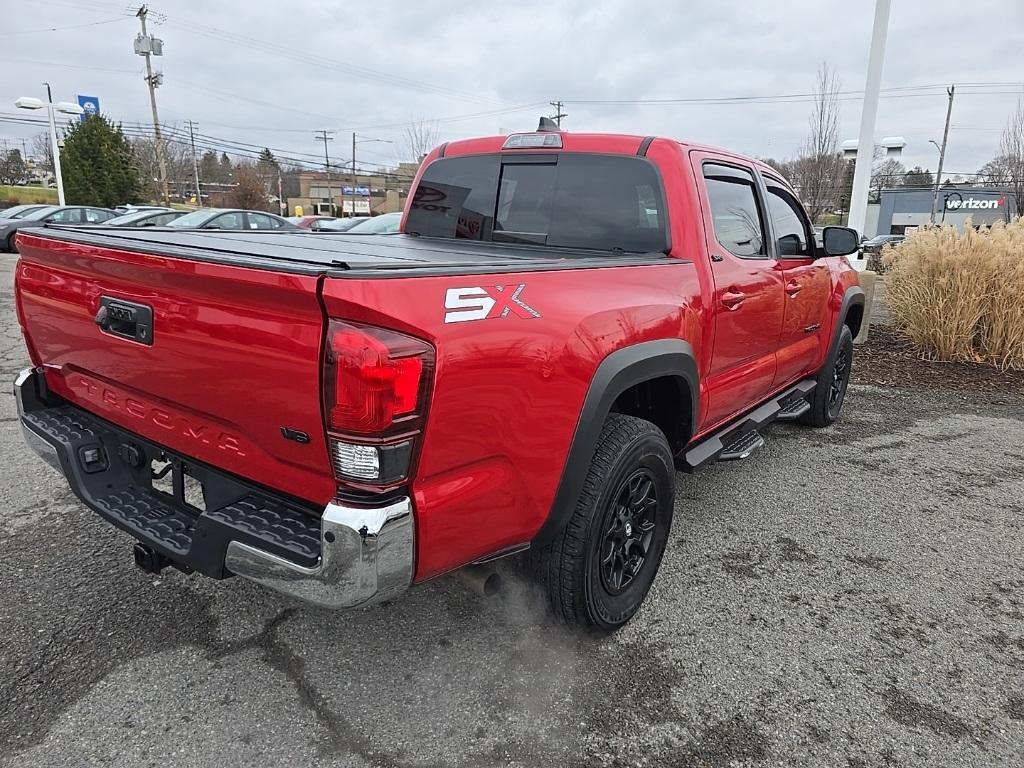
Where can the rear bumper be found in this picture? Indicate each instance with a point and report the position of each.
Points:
(340, 557)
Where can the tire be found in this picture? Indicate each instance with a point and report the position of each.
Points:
(833, 379)
(598, 569)
(11, 247)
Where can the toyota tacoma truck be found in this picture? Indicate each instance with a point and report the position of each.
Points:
(563, 322)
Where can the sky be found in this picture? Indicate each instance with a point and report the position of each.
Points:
(253, 74)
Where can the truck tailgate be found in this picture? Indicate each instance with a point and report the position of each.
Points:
(231, 358)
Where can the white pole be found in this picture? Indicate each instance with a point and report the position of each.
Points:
(56, 155)
(866, 140)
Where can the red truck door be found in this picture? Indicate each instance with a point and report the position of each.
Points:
(748, 294)
(807, 286)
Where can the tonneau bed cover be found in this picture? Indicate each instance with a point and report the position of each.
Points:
(340, 254)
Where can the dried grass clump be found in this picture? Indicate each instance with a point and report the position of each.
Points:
(960, 296)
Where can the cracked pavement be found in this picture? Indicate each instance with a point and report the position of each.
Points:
(847, 597)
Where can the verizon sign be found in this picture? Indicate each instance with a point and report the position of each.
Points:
(956, 203)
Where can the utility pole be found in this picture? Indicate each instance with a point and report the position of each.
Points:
(559, 114)
(146, 47)
(195, 163)
(324, 137)
(869, 111)
(353, 173)
(942, 153)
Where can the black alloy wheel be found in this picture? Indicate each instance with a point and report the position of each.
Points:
(628, 531)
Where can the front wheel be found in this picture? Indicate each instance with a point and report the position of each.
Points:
(598, 569)
(833, 379)
(11, 247)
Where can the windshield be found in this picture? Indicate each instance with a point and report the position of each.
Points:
(194, 219)
(340, 225)
(566, 200)
(19, 211)
(131, 218)
(39, 213)
(385, 224)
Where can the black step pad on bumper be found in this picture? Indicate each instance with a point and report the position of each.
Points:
(117, 484)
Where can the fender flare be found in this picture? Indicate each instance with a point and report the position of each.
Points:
(853, 296)
(621, 370)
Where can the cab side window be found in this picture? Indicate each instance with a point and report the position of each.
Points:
(737, 216)
(791, 230)
(66, 216)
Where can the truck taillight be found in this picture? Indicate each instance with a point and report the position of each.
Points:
(375, 391)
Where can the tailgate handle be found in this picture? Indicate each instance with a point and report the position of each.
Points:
(125, 319)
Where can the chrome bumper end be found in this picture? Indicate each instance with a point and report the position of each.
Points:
(366, 557)
(25, 394)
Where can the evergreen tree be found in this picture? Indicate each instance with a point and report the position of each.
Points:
(99, 165)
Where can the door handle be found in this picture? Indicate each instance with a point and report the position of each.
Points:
(793, 288)
(732, 299)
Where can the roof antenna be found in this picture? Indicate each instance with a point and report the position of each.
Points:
(547, 125)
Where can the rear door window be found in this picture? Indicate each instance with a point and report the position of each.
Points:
(566, 200)
(262, 221)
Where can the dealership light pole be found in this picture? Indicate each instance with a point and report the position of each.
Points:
(942, 153)
(869, 111)
(65, 107)
(354, 142)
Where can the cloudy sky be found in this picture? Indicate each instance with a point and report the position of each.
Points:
(255, 74)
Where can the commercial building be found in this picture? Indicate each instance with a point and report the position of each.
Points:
(364, 194)
(906, 208)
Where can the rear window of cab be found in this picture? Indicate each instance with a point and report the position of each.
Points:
(561, 200)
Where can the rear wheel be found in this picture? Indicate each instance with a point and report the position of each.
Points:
(833, 379)
(598, 569)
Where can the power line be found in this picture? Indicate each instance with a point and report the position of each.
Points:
(9, 32)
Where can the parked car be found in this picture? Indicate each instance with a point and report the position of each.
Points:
(231, 218)
(53, 214)
(524, 369)
(149, 217)
(20, 211)
(384, 224)
(876, 243)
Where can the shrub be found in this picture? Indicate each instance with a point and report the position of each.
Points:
(958, 296)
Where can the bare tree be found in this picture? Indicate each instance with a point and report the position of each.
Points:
(249, 191)
(42, 151)
(420, 138)
(1011, 151)
(818, 172)
(887, 173)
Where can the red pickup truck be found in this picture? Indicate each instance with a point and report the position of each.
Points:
(564, 321)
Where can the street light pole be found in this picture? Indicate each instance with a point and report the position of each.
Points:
(53, 146)
(354, 142)
(28, 102)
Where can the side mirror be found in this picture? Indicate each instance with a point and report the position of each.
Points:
(839, 241)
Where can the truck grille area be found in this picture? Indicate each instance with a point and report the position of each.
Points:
(109, 469)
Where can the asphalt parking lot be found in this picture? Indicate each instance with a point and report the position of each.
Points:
(847, 597)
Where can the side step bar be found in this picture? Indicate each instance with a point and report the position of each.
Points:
(740, 438)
